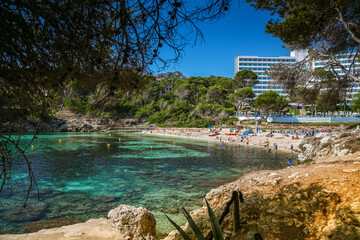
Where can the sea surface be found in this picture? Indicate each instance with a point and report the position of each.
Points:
(84, 175)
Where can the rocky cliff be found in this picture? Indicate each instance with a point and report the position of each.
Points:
(319, 200)
(329, 144)
(75, 123)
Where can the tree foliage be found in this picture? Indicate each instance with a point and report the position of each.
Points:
(355, 104)
(105, 46)
(328, 100)
(245, 78)
(271, 101)
(241, 97)
(314, 24)
(304, 95)
(328, 28)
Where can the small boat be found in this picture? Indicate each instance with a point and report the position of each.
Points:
(214, 134)
(231, 134)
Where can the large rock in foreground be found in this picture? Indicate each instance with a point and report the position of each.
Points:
(133, 222)
(98, 229)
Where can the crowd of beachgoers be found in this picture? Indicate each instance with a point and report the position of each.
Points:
(271, 140)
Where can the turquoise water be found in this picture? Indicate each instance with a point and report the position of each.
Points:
(82, 177)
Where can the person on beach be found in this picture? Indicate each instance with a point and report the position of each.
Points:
(292, 147)
(289, 163)
(275, 147)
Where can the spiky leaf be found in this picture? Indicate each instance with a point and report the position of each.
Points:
(183, 234)
(214, 223)
(241, 197)
(250, 235)
(193, 225)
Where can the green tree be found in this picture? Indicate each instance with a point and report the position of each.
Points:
(332, 91)
(217, 94)
(241, 96)
(328, 100)
(326, 27)
(245, 78)
(304, 95)
(271, 101)
(355, 103)
(227, 83)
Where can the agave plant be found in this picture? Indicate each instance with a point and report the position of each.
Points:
(215, 225)
(216, 230)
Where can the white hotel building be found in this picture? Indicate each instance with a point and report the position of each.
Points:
(346, 61)
(260, 65)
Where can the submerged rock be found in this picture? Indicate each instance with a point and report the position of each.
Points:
(52, 223)
(133, 222)
(106, 199)
(30, 213)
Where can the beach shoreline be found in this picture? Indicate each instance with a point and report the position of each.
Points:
(258, 140)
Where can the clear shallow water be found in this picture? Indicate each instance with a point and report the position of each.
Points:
(82, 178)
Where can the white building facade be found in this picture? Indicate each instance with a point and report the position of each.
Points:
(260, 65)
(346, 60)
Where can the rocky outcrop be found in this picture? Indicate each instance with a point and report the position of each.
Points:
(136, 223)
(98, 229)
(299, 205)
(175, 75)
(77, 124)
(326, 144)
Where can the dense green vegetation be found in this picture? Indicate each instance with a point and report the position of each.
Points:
(195, 102)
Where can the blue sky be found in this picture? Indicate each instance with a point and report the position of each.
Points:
(241, 32)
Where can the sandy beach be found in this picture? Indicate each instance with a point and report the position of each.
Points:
(282, 140)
